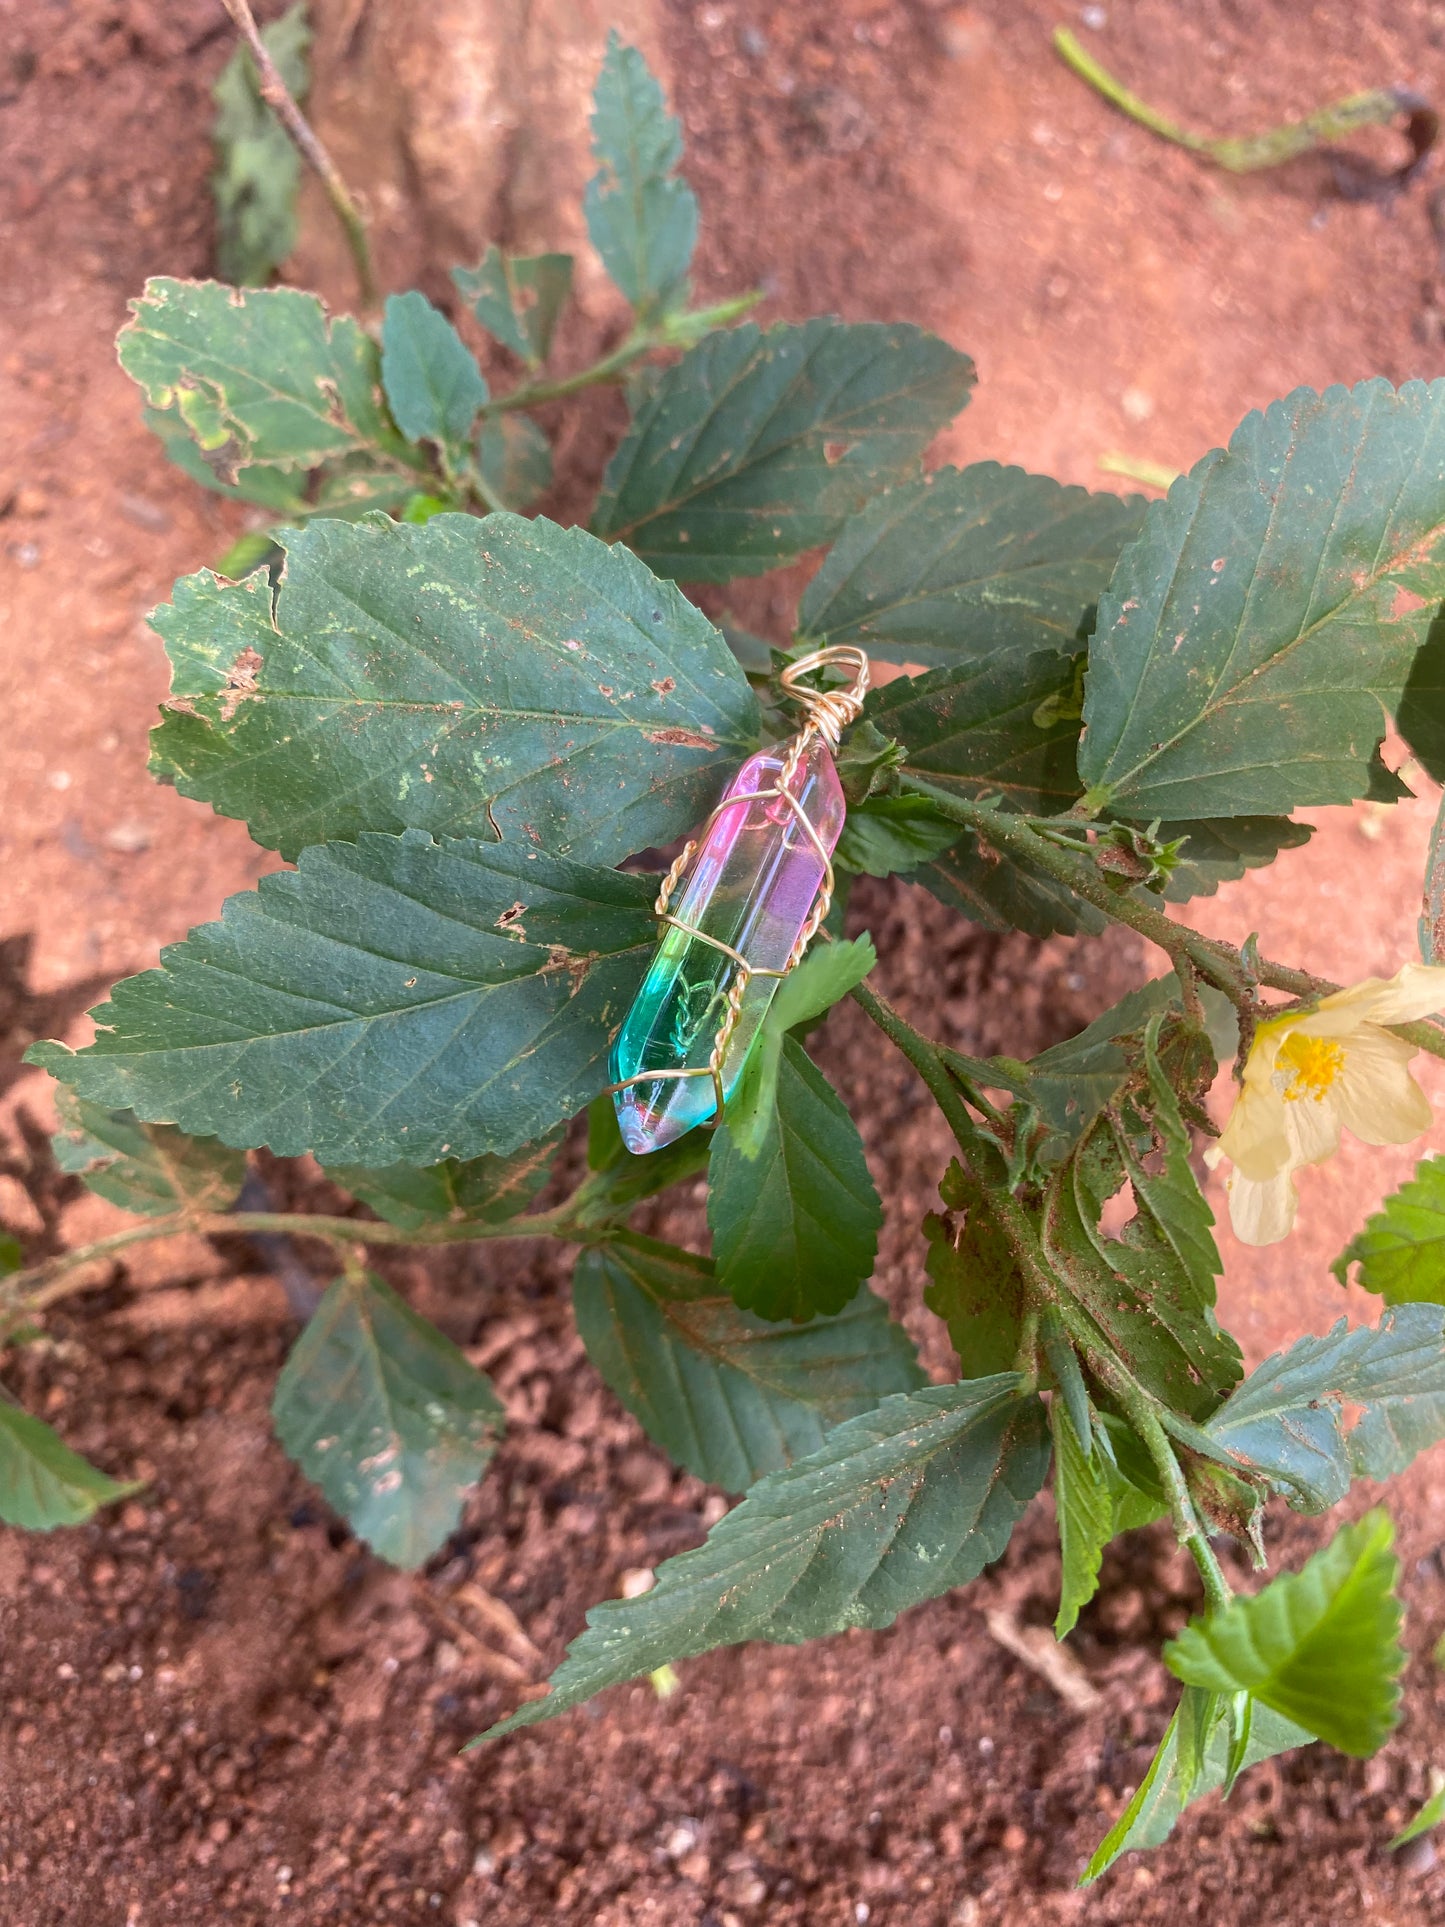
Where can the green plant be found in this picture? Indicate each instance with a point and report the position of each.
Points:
(456, 723)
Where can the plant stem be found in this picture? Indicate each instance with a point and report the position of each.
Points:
(1144, 1417)
(531, 394)
(43, 1284)
(278, 97)
(923, 1055)
(1218, 963)
(1103, 82)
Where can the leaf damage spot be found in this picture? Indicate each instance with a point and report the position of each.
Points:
(1406, 603)
(241, 681)
(666, 686)
(510, 920)
(834, 452)
(681, 738)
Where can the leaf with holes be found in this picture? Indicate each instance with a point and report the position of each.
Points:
(474, 1191)
(963, 563)
(150, 1169)
(260, 375)
(1360, 1402)
(43, 1484)
(1263, 624)
(642, 218)
(391, 999)
(724, 1393)
(755, 447)
(1150, 1290)
(1400, 1251)
(795, 1230)
(387, 1416)
(1321, 1646)
(897, 1506)
(517, 298)
(498, 678)
(433, 384)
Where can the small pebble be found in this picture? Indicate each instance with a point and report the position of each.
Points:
(1417, 1856)
(1094, 18)
(1014, 1838)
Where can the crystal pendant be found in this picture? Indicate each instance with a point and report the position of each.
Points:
(752, 885)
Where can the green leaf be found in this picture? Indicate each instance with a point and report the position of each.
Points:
(1297, 1419)
(826, 974)
(1150, 1290)
(1400, 1251)
(963, 563)
(897, 1506)
(1191, 1761)
(1426, 1820)
(886, 835)
(1321, 1646)
(150, 1169)
(517, 298)
(477, 1191)
(722, 1392)
(641, 217)
(1266, 618)
(12, 1255)
(1219, 852)
(390, 999)
(505, 678)
(258, 168)
(975, 1286)
(1072, 1082)
(998, 891)
(433, 384)
(795, 1231)
(1085, 1509)
(514, 458)
(43, 1483)
(1420, 716)
(755, 447)
(621, 1180)
(278, 489)
(388, 1418)
(260, 375)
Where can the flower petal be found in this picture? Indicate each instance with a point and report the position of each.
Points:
(1262, 1212)
(1414, 991)
(1378, 1099)
(1256, 1138)
(1313, 1126)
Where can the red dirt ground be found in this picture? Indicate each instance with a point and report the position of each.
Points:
(217, 1707)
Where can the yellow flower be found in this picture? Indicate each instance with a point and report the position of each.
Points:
(1313, 1072)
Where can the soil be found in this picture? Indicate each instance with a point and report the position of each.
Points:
(217, 1707)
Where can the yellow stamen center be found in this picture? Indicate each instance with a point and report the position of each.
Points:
(1312, 1065)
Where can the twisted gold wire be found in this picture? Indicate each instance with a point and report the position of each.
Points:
(827, 713)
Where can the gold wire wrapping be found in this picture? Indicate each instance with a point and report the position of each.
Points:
(826, 713)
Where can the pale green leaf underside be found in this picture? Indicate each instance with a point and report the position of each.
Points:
(1321, 1646)
(1298, 1417)
(899, 1505)
(391, 999)
(755, 447)
(724, 1393)
(43, 1484)
(963, 562)
(150, 1169)
(794, 1229)
(517, 298)
(499, 678)
(1266, 618)
(1400, 1251)
(386, 1415)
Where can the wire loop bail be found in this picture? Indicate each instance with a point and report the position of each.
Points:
(828, 712)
